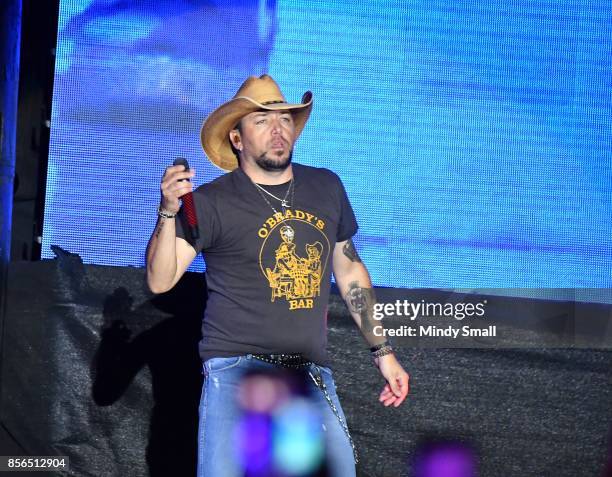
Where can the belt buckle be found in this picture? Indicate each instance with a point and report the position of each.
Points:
(286, 360)
(291, 359)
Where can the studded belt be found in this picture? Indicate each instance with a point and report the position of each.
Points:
(285, 360)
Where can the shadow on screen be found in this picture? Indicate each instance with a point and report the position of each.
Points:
(168, 349)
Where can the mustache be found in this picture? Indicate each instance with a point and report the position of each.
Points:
(285, 141)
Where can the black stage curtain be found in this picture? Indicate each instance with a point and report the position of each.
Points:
(96, 368)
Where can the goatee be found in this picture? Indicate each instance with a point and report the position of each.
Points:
(268, 164)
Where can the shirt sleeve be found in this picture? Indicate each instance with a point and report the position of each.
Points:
(208, 225)
(347, 225)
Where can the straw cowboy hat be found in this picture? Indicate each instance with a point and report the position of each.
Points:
(255, 94)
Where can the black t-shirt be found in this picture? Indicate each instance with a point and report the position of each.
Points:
(268, 274)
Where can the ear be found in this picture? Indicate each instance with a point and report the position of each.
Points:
(234, 136)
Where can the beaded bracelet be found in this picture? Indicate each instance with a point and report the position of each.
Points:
(164, 213)
(385, 350)
(379, 346)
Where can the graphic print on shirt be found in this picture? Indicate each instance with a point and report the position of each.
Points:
(293, 257)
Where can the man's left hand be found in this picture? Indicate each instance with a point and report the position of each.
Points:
(396, 389)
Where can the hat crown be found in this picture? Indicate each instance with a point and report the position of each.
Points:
(262, 90)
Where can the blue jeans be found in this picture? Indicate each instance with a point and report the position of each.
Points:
(220, 411)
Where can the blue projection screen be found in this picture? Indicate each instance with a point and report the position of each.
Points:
(474, 138)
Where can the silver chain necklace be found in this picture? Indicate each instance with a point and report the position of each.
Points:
(284, 203)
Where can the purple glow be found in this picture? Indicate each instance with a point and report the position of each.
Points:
(446, 460)
(253, 438)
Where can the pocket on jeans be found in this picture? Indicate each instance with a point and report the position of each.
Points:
(216, 365)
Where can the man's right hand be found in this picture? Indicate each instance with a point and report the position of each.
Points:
(168, 256)
(176, 182)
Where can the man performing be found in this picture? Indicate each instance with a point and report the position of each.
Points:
(271, 232)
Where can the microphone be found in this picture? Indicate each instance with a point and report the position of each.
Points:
(188, 206)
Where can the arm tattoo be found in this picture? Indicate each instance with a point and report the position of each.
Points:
(361, 301)
(350, 251)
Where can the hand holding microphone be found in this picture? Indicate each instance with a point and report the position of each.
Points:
(175, 185)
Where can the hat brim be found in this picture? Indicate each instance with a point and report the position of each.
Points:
(214, 134)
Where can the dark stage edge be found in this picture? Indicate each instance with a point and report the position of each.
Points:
(96, 368)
